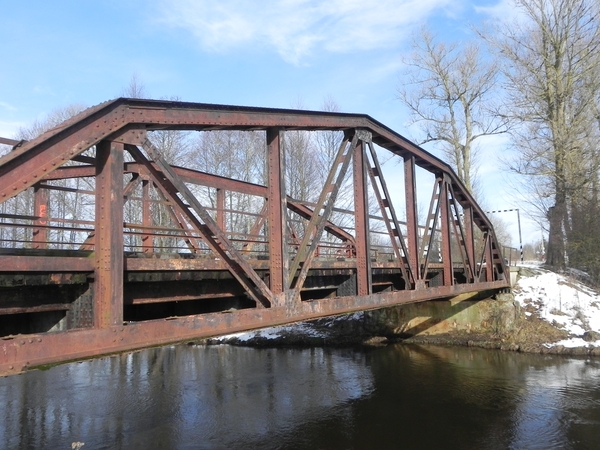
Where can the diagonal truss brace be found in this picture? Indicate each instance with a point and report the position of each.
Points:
(391, 221)
(430, 228)
(192, 243)
(171, 185)
(322, 211)
(460, 236)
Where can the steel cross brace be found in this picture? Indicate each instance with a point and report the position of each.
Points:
(316, 225)
(460, 235)
(214, 237)
(391, 222)
(430, 226)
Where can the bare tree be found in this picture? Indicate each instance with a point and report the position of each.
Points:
(327, 142)
(135, 88)
(552, 60)
(62, 203)
(54, 118)
(449, 89)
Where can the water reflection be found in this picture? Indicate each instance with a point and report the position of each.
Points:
(178, 397)
(228, 397)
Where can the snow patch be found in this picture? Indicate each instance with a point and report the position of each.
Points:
(563, 302)
(302, 328)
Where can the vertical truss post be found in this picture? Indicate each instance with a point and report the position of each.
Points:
(412, 225)
(469, 237)
(40, 207)
(361, 222)
(221, 209)
(147, 239)
(446, 235)
(108, 279)
(277, 207)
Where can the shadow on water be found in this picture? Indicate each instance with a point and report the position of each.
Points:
(230, 397)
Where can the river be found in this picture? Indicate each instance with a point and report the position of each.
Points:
(223, 397)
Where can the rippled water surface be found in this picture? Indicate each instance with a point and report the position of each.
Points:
(221, 397)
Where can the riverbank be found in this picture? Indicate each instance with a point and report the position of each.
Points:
(549, 313)
(558, 314)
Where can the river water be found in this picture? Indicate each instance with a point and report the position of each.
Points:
(222, 397)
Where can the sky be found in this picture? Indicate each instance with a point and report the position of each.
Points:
(271, 53)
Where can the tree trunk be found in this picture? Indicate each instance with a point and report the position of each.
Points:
(555, 256)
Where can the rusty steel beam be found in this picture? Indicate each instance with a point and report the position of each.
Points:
(306, 213)
(218, 182)
(469, 238)
(489, 270)
(11, 142)
(21, 263)
(147, 239)
(277, 217)
(20, 353)
(34, 309)
(445, 231)
(430, 229)
(26, 165)
(192, 242)
(108, 240)
(135, 264)
(361, 222)
(67, 172)
(221, 209)
(412, 224)
(40, 209)
(460, 234)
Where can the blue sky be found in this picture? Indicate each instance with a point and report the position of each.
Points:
(272, 53)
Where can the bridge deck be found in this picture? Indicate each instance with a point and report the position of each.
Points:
(106, 246)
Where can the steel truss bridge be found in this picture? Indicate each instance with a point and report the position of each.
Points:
(105, 246)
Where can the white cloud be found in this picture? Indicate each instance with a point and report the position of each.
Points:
(503, 11)
(295, 29)
(7, 106)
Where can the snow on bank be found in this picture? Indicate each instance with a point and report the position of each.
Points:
(302, 328)
(558, 299)
(561, 301)
(318, 329)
